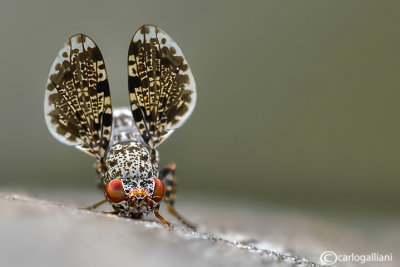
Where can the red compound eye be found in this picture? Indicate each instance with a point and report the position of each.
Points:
(159, 190)
(115, 191)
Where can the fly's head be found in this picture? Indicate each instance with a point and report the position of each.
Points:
(131, 181)
(134, 197)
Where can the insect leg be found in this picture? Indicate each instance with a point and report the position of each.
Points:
(92, 207)
(167, 176)
(161, 218)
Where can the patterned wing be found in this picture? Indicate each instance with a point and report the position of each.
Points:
(162, 90)
(77, 103)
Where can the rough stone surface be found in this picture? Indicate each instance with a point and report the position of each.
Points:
(36, 232)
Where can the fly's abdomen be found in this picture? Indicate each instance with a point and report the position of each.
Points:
(124, 128)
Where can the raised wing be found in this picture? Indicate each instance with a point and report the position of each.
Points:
(77, 103)
(162, 90)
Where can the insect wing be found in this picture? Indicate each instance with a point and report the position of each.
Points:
(77, 102)
(162, 89)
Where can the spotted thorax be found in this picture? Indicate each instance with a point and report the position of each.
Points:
(162, 96)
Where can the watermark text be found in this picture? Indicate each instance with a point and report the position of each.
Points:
(330, 257)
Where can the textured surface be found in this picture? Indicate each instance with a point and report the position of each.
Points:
(40, 233)
(70, 237)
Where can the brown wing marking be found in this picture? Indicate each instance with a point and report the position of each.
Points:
(162, 90)
(77, 102)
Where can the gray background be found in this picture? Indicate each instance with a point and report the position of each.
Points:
(297, 100)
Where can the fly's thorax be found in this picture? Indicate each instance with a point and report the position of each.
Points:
(130, 160)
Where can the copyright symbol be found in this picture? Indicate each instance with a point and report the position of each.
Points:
(328, 257)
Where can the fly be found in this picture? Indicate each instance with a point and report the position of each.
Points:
(162, 94)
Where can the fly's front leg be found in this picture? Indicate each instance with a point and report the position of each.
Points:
(92, 207)
(161, 218)
(167, 176)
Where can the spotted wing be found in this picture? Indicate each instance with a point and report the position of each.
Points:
(77, 102)
(162, 90)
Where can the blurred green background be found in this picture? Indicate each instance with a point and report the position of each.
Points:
(297, 100)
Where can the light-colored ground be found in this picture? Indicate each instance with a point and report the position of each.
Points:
(35, 232)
